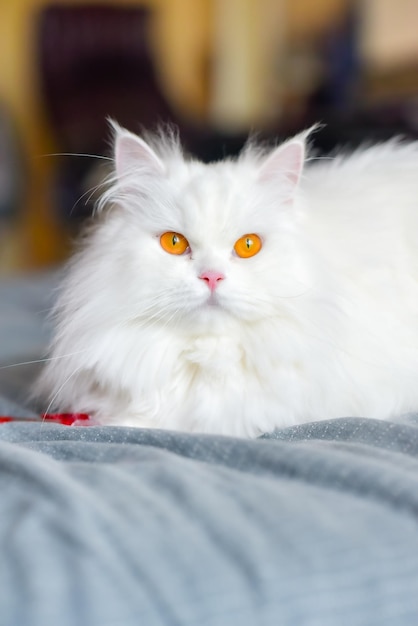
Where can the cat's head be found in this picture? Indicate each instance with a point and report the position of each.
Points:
(204, 242)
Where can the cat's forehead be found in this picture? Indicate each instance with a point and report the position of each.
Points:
(211, 184)
(200, 178)
(216, 198)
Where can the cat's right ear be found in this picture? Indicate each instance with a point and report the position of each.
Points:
(133, 155)
(285, 163)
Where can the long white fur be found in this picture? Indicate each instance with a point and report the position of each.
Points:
(322, 323)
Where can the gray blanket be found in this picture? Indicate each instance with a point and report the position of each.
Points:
(315, 525)
(113, 526)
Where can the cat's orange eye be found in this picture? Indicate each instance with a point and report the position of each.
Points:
(174, 243)
(248, 245)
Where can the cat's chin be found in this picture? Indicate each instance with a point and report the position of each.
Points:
(211, 306)
(217, 312)
(213, 301)
(210, 312)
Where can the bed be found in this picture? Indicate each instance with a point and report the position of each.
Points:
(315, 525)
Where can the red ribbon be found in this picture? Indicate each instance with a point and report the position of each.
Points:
(66, 419)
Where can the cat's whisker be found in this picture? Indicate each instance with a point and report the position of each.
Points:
(157, 317)
(273, 307)
(76, 154)
(157, 306)
(297, 295)
(90, 192)
(319, 158)
(45, 360)
(176, 316)
(60, 388)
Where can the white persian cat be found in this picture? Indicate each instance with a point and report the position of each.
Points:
(243, 295)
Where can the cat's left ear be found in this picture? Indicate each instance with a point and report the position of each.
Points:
(133, 155)
(285, 163)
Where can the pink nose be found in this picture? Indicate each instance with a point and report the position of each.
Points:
(212, 278)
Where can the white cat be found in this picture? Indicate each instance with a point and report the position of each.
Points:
(243, 295)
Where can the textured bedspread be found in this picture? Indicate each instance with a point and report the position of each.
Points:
(113, 526)
(312, 526)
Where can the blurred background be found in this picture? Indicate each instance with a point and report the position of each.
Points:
(218, 69)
